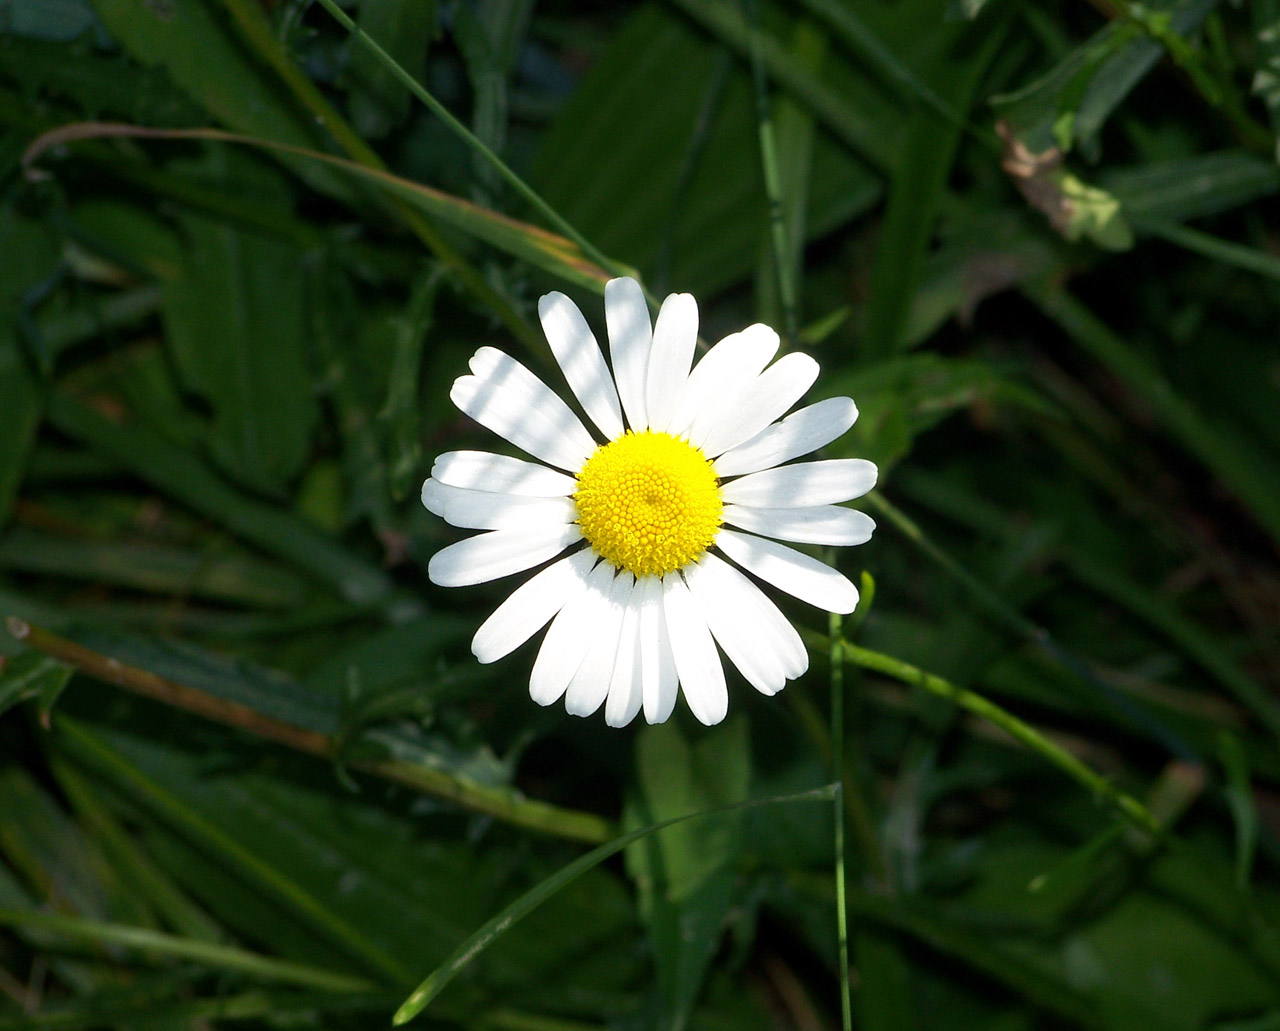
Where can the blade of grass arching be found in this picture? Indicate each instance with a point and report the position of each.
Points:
(471, 140)
(279, 710)
(1250, 477)
(218, 957)
(865, 136)
(537, 246)
(1130, 711)
(916, 187)
(400, 412)
(168, 900)
(1247, 259)
(435, 982)
(1244, 810)
(184, 477)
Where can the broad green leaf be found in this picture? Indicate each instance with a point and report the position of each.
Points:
(236, 325)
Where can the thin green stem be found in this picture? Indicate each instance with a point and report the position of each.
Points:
(837, 762)
(474, 142)
(1027, 735)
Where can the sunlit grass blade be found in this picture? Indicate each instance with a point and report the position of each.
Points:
(436, 981)
(537, 246)
(221, 957)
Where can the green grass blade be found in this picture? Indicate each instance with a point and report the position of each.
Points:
(435, 982)
(221, 957)
(1247, 259)
(836, 658)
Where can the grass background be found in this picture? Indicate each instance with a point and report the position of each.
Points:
(250, 776)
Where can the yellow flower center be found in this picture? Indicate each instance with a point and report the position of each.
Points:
(649, 502)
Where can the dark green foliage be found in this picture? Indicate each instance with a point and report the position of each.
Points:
(250, 775)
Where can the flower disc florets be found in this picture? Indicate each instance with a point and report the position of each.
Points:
(649, 502)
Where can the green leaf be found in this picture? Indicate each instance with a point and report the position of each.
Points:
(378, 101)
(32, 676)
(236, 326)
(1240, 800)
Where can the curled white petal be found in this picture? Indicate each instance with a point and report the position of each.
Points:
(480, 470)
(579, 357)
(498, 553)
(530, 606)
(791, 571)
(803, 484)
(590, 684)
(626, 315)
(760, 402)
(570, 635)
(694, 652)
(821, 524)
(507, 398)
(484, 510)
(675, 335)
(798, 434)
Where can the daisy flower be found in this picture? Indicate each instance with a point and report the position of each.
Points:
(661, 519)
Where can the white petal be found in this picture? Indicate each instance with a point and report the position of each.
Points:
(762, 621)
(590, 684)
(728, 618)
(675, 335)
(787, 569)
(530, 606)
(626, 314)
(803, 484)
(766, 398)
(694, 652)
(821, 524)
(731, 364)
(625, 688)
(798, 434)
(570, 635)
(575, 348)
(480, 470)
(660, 682)
(507, 398)
(498, 553)
(484, 510)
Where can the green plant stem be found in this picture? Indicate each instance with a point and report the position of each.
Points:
(210, 954)
(837, 762)
(504, 805)
(975, 703)
(472, 141)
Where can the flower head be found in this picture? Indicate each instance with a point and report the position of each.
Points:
(645, 595)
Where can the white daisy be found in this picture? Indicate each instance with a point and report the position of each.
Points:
(638, 606)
